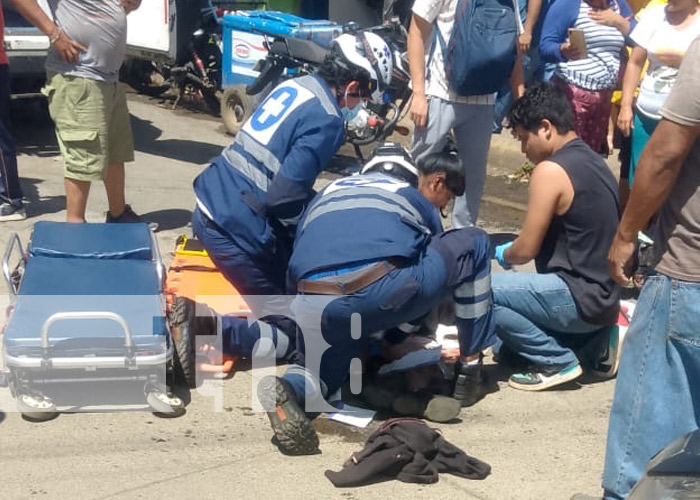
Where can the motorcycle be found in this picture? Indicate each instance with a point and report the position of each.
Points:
(196, 71)
(290, 57)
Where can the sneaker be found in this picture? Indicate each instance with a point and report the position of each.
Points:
(469, 384)
(544, 379)
(12, 211)
(430, 407)
(294, 434)
(129, 216)
(606, 365)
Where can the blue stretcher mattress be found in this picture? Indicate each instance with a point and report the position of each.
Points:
(88, 267)
(91, 241)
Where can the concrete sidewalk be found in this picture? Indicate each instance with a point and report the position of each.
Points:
(541, 446)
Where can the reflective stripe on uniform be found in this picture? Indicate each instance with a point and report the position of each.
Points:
(474, 288)
(472, 311)
(366, 197)
(314, 86)
(238, 161)
(259, 152)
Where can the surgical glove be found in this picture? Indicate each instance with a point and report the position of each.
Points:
(500, 250)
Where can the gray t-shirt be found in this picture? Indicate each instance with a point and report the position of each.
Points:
(677, 247)
(100, 25)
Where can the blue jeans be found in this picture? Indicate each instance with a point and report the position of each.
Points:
(532, 312)
(657, 396)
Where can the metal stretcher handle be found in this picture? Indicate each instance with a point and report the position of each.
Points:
(157, 259)
(6, 271)
(61, 316)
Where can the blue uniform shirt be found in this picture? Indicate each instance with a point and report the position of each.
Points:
(362, 218)
(258, 188)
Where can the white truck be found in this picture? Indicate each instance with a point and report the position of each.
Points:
(152, 33)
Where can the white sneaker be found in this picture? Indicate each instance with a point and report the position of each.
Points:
(9, 212)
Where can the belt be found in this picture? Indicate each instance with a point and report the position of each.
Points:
(346, 284)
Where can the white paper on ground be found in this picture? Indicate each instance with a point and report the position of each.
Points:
(352, 415)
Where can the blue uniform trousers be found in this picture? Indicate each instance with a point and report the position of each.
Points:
(252, 277)
(455, 263)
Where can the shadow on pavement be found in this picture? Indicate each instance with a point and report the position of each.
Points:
(146, 140)
(174, 218)
(40, 205)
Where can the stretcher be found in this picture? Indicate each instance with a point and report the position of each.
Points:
(192, 274)
(87, 322)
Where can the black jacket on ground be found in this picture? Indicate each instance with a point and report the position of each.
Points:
(408, 450)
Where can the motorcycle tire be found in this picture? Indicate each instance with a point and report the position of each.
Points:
(236, 108)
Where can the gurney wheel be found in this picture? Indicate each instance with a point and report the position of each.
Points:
(35, 408)
(165, 405)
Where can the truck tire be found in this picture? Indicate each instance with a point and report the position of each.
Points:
(236, 108)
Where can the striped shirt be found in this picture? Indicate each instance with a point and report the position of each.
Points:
(599, 71)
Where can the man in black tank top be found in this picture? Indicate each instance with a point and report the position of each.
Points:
(571, 221)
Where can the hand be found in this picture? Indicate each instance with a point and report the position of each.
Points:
(130, 5)
(67, 48)
(524, 41)
(569, 52)
(625, 120)
(500, 257)
(419, 110)
(621, 260)
(607, 17)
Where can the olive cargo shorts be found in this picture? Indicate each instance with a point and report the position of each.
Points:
(92, 124)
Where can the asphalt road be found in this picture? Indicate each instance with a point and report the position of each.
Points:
(541, 446)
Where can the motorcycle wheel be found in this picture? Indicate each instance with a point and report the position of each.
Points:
(236, 108)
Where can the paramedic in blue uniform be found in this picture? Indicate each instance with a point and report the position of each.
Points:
(250, 198)
(375, 241)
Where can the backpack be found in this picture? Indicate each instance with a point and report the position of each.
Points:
(481, 52)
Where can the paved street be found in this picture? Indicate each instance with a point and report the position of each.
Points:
(541, 446)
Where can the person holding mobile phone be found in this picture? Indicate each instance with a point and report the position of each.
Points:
(584, 39)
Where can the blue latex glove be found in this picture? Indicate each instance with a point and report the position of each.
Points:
(500, 250)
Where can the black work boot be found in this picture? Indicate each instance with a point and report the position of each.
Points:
(294, 434)
(469, 383)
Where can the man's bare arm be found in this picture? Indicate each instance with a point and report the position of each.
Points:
(418, 36)
(657, 171)
(547, 186)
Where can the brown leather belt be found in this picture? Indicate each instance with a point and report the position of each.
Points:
(346, 284)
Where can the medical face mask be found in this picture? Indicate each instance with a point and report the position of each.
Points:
(355, 117)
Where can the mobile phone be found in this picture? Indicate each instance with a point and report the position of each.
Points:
(578, 40)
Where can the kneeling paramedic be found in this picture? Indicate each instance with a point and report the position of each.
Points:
(374, 247)
(250, 198)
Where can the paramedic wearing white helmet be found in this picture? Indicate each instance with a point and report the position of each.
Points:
(251, 197)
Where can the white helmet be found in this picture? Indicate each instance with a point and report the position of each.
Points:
(369, 52)
(392, 159)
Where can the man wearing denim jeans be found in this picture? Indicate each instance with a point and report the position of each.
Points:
(571, 220)
(657, 397)
(11, 207)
